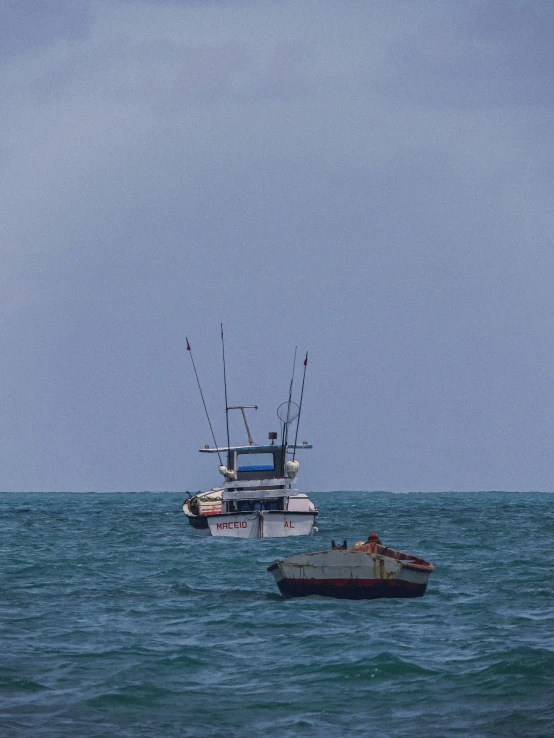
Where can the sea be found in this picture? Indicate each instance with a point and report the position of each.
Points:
(117, 621)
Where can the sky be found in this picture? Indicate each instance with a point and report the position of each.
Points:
(371, 181)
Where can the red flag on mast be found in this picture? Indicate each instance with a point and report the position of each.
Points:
(188, 344)
(306, 359)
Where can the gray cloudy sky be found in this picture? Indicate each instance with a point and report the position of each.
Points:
(370, 180)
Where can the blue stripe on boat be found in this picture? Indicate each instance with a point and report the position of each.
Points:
(256, 467)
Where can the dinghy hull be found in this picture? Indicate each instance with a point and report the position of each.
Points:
(357, 573)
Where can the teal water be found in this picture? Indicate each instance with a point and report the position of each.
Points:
(117, 621)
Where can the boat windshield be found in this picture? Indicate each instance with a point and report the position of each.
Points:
(255, 462)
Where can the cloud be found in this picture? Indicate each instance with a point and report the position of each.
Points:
(371, 180)
(477, 55)
(34, 25)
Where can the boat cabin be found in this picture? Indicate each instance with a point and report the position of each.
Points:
(251, 463)
(257, 462)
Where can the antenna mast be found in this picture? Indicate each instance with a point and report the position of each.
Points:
(226, 403)
(300, 406)
(202, 396)
(286, 424)
(242, 408)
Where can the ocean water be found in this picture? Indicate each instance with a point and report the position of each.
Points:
(117, 621)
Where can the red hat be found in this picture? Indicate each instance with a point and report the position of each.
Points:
(373, 537)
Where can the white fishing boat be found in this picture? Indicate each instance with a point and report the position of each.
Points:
(258, 497)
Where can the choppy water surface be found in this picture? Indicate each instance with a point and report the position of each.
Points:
(116, 620)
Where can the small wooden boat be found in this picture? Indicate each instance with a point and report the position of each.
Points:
(367, 570)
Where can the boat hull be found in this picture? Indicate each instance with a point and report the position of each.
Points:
(349, 574)
(360, 589)
(263, 524)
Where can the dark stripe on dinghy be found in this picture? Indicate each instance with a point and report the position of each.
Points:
(351, 589)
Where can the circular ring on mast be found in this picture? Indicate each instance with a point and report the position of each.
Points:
(287, 412)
